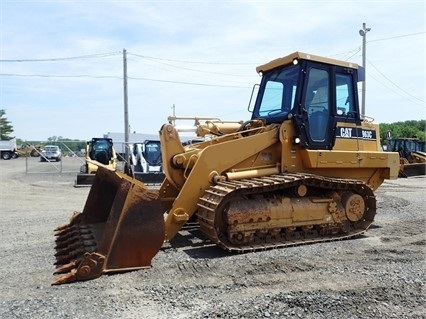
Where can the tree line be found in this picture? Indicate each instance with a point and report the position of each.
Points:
(406, 129)
(6, 130)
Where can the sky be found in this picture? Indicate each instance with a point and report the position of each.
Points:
(62, 62)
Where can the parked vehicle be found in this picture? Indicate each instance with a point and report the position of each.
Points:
(28, 149)
(303, 169)
(412, 155)
(98, 151)
(120, 143)
(51, 152)
(146, 162)
(8, 149)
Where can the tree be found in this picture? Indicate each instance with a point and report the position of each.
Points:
(405, 129)
(5, 127)
(54, 138)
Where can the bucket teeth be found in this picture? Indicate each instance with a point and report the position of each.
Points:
(67, 226)
(67, 278)
(67, 267)
(67, 237)
(64, 259)
(66, 231)
(65, 243)
(70, 232)
(62, 227)
(75, 246)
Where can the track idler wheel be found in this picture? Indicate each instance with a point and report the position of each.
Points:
(354, 206)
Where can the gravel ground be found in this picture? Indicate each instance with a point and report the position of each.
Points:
(379, 275)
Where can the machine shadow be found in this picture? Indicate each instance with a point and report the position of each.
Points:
(192, 241)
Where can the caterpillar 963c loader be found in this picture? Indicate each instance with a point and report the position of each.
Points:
(303, 169)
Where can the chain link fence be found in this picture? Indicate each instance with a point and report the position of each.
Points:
(72, 157)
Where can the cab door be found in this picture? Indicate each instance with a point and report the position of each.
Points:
(318, 107)
(329, 105)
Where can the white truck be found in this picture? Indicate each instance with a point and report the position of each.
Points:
(8, 149)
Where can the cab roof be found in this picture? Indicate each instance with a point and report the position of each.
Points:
(305, 56)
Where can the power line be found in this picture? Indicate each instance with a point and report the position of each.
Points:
(355, 52)
(398, 36)
(190, 83)
(199, 71)
(394, 84)
(62, 76)
(90, 56)
(120, 78)
(191, 62)
(164, 61)
(351, 53)
(103, 55)
(392, 90)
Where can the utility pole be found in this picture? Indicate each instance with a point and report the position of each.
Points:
(126, 110)
(174, 114)
(363, 33)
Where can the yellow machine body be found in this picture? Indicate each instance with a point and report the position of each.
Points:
(301, 170)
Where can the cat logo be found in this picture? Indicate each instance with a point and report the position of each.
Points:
(356, 133)
(346, 132)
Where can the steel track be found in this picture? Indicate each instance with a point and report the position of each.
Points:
(211, 206)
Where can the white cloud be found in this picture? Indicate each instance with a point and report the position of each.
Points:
(242, 33)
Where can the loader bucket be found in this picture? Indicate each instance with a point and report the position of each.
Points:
(84, 180)
(150, 177)
(121, 228)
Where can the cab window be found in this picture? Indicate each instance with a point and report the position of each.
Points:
(345, 105)
(277, 95)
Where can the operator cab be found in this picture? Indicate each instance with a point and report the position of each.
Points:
(100, 149)
(315, 92)
(152, 152)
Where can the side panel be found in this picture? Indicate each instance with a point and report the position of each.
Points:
(349, 136)
(347, 159)
(355, 155)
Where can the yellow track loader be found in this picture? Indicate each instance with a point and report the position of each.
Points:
(302, 170)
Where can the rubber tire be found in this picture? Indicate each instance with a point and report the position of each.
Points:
(6, 155)
(34, 153)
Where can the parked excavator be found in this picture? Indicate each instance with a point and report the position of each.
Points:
(302, 170)
(99, 152)
(412, 155)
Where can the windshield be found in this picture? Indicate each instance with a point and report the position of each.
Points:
(101, 151)
(277, 93)
(152, 153)
(101, 145)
